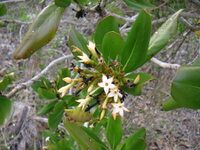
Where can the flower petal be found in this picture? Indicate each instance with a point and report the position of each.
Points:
(104, 78)
(101, 84)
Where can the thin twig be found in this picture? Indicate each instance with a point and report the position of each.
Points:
(11, 1)
(164, 64)
(44, 71)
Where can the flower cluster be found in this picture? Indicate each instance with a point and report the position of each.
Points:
(112, 91)
(97, 84)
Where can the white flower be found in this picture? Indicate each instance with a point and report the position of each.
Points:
(47, 139)
(63, 90)
(91, 47)
(106, 83)
(84, 102)
(84, 58)
(67, 79)
(115, 93)
(118, 108)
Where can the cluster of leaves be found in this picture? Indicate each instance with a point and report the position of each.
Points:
(89, 138)
(55, 104)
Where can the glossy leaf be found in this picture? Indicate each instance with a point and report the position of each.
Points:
(78, 115)
(41, 31)
(56, 116)
(135, 49)
(47, 93)
(185, 88)
(82, 2)
(136, 141)
(6, 81)
(95, 137)
(62, 3)
(163, 35)
(137, 89)
(104, 26)
(139, 4)
(114, 131)
(47, 108)
(5, 108)
(112, 46)
(84, 140)
(70, 100)
(170, 104)
(76, 39)
(41, 83)
(3, 9)
(63, 144)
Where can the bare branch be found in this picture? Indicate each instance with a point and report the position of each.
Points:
(44, 71)
(164, 64)
(11, 1)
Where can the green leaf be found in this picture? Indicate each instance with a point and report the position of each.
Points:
(42, 83)
(53, 136)
(95, 137)
(106, 25)
(135, 49)
(63, 144)
(47, 108)
(41, 31)
(78, 115)
(112, 46)
(5, 108)
(114, 131)
(84, 140)
(185, 88)
(56, 116)
(3, 9)
(136, 141)
(76, 39)
(170, 104)
(139, 4)
(6, 81)
(162, 36)
(46, 93)
(81, 2)
(137, 89)
(70, 100)
(62, 3)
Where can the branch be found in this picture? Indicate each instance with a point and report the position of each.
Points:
(164, 64)
(11, 1)
(44, 71)
(14, 21)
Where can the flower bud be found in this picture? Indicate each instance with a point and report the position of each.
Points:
(67, 79)
(102, 114)
(137, 79)
(91, 47)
